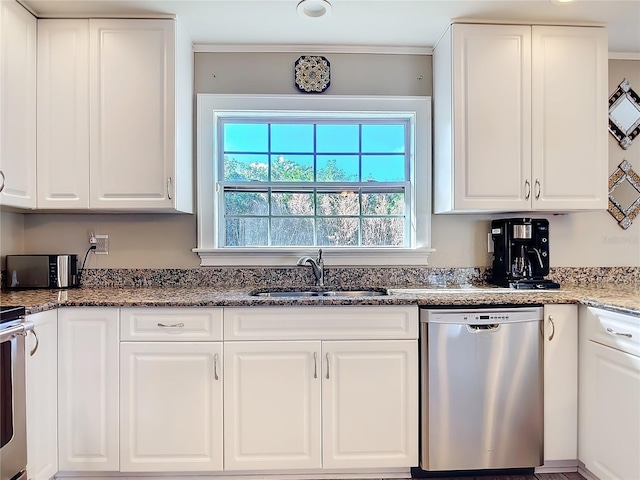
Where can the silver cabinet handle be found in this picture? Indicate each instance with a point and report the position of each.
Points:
(169, 188)
(327, 357)
(215, 366)
(613, 332)
(3, 179)
(553, 328)
(174, 325)
(527, 185)
(538, 189)
(315, 364)
(35, 348)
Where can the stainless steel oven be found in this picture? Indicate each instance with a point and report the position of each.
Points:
(13, 441)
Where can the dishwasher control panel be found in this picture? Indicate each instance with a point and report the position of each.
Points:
(482, 316)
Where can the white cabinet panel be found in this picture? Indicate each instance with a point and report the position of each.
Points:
(560, 384)
(88, 395)
(63, 114)
(370, 404)
(42, 396)
(171, 406)
(272, 405)
(520, 119)
(171, 324)
(570, 88)
(115, 120)
(17, 106)
(613, 397)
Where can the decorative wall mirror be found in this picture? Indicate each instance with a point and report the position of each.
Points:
(624, 194)
(624, 114)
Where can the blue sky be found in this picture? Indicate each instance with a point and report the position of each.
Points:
(385, 141)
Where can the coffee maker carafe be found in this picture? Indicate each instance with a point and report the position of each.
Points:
(521, 253)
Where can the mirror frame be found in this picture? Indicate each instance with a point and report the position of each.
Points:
(624, 136)
(625, 217)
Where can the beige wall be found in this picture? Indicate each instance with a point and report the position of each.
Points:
(11, 234)
(165, 241)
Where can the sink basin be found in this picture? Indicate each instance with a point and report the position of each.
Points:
(318, 293)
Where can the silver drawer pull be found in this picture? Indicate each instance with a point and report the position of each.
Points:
(35, 348)
(553, 328)
(315, 364)
(613, 332)
(327, 357)
(215, 366)
(174, 325)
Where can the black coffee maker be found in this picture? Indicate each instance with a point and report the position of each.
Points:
(521, 253)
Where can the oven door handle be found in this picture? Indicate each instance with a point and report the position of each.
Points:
(20, 329)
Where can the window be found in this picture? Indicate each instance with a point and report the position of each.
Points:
(280, 175)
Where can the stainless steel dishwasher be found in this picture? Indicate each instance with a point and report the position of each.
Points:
(481, 388)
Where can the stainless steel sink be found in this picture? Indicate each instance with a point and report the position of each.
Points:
(318, 293)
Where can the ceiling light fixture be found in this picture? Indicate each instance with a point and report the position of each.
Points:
(561, 2)
(314, 8)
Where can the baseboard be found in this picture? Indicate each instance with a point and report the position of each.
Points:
(582, 470)
(288, 475)
(558, 466)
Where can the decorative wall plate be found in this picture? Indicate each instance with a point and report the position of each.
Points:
(624, 195)
(312, 74)
(624, 114)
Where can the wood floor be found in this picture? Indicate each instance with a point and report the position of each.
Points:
(537, 476)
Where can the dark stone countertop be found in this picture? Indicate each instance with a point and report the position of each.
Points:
(620, 298)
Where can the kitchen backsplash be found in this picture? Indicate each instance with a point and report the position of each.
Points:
(243, 277)
(398, 277)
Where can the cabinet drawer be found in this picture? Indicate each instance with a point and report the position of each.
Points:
(615, 330)
(321, 323)
(170, 324)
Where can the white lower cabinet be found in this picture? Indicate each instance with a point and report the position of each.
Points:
(370, 404)
(350, 402)
(170, 406)
(88, 372)
(272, 414)
(42, 388)
(609, 420)
(171, 390)
(560, 385)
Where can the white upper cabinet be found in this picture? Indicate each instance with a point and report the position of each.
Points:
(121, 139)
(17, 106)
(520, 119)
(570, 118)
(63, 114)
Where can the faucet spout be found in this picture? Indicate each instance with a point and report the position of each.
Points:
(316, 265)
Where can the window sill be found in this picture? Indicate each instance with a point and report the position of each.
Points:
(218, 257)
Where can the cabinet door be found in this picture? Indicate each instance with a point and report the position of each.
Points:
(42, 393)
(88, 389)
(63, 114)
(370, 404)
(171, 407)
(491, 95)
(17, 106)
(612, 417)
(132, 77)
(570, 83)
(560, 384)
(272, 405)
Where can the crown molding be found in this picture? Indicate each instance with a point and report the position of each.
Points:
(624, 55)
(311, 49)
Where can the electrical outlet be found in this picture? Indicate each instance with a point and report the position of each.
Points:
(102, 245)
(489, 243)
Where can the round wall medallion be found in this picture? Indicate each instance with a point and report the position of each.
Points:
(312, 74)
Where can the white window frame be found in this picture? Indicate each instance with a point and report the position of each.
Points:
(210, 107)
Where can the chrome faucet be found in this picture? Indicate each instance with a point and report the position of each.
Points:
(316, 265)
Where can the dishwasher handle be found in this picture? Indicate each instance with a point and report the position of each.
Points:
(491, 327)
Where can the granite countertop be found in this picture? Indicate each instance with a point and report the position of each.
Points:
(620, 298)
